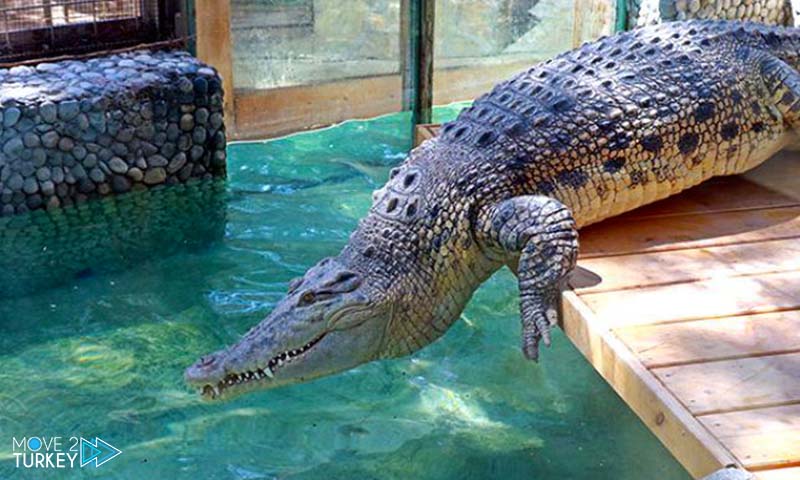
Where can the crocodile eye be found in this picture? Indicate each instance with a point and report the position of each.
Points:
(306, 299)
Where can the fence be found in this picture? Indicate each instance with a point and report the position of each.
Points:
(46, 28)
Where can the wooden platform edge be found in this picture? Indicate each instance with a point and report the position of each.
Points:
(686, 438)
(425, 131)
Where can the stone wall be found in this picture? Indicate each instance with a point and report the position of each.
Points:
(647, 12)
(73, 130)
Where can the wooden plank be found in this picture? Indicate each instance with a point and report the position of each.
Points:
(279, 111)
(702, 290)
(719, 297)
(760, 438)
(715, 387)
(624, 235)
(779, 474)
(688, 440)
(454, 84)
(664, 268)
(707, 340)
(592, 19)
(213, 29)
(425, 132)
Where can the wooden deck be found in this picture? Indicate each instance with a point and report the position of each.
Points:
(690, 309)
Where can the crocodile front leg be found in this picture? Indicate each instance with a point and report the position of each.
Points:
(538, 235)
(783, 83)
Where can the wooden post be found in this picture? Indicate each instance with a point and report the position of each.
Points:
(213, 29)
(407, 53)
(577, 23)
(422, 15)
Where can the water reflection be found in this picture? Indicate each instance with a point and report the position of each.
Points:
(42, 249)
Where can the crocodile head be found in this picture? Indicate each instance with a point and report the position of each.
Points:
(332, 319)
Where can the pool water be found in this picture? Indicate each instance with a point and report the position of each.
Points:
(96, 345)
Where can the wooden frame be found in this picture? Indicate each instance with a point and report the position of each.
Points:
(686, 438)
(689, 309)
(273, 112)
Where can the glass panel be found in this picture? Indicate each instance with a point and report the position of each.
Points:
(279, 43)
(477, 44)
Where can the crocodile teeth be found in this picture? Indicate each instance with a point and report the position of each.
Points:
(236, 379)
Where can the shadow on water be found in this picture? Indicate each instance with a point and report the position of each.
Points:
(44, 249)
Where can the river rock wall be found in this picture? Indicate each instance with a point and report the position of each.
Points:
(648, 12)
(74, 130)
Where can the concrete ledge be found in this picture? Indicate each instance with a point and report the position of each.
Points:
(73, 130)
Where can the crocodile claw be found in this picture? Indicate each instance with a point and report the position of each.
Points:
(539, 314)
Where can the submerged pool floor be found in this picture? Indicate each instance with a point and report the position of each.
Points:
(103, 353)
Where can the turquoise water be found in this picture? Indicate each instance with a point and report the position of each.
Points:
(101, 350)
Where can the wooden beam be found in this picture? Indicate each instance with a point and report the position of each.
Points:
(213, 29)
(407, 53)
(423, 132)
(279, 111)
(577, 23)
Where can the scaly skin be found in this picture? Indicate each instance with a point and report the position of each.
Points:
(595, 132)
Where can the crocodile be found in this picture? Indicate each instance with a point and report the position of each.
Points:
(610, 126)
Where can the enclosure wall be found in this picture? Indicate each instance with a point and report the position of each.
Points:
(297, 64)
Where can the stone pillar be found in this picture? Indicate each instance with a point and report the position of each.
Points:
(74, 130)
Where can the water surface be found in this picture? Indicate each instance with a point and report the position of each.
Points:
(102, 353)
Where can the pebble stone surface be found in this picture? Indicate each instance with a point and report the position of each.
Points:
(772, 12)
(75, 130)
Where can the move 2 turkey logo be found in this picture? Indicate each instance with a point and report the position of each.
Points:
(61, 452)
